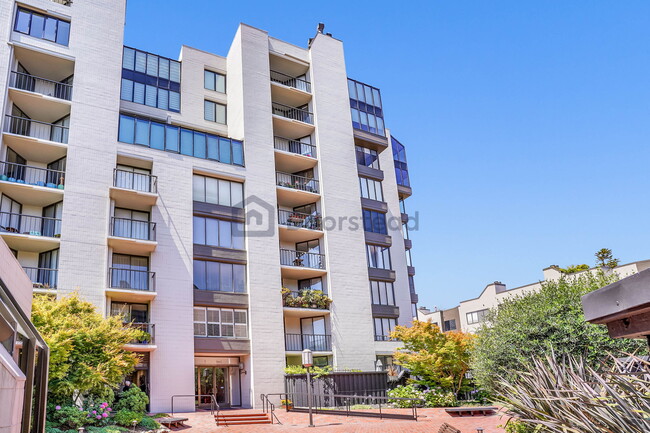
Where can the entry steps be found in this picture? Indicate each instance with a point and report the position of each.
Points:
(227, 418)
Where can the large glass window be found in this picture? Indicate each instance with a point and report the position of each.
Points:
(374, 222)
(137, 313)
(371, 189)
(218, 233)
(42, 26)
(220, 322)
(378, 257)
(382, 292)
(218, 191)
(214, 112)
(476, 316)
(383, 327)
(219, 277)
(151, 80)
(366, 107)
(401, 168)
(214, 81)
(367, 157)
(175, 139)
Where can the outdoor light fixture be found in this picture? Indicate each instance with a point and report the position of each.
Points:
(379, 366)
(479, 430)
(242, 368)
(308, 362)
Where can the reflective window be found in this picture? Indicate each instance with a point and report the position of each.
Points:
(218, 233)
(374, 222)
(382, 293)
(214, 112)
(383, 327)
(42, 26)
(367, 157)
(214, 81)
(399, 158)
(219, 277)
(217, 191)
(378, 257)
(476, 316)
(220, 322)
(371, 189)
(366, 107)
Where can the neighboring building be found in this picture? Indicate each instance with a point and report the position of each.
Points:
(184, 194)
(23, 353)
(447, 320)
(470, 313)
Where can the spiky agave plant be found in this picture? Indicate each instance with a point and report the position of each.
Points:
(569, 396)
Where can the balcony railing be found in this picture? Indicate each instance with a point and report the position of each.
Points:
(131, 279)
(30, 225)
(31, 83)
(302, 259)
(148, 328)
(42, 278)
(20, 173)
(299, 219)
(306, 298)
(314, 342)
(296, 182)
(288, 80)
(36, 129)
(295, 146)
(382, 338)
(135, 181)
(133, 229)
(293, 113)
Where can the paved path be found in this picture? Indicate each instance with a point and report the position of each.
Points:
(429, 420)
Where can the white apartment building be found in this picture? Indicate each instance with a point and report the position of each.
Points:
(184, 194)
(469, 314)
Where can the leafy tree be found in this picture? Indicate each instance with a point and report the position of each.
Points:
(605, 258)
(86, 349)
(439, 359)
(572, 269)
(536, 324)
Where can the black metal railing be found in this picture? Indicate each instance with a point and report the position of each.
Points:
(42, 278)
(136, 181)
(31, 83)
(314, 342)
(131, 279)
(294, 181)
(148, 328)
(299, 219)
(133, 229)
(36, 129)
(293, 113)
(214, 406)
(302, 259)
(382, 338)
(30, 225)
(27, 174)
(294, 146)
(288, 80)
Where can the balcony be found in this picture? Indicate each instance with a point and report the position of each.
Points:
(39, 97)
(44, 280)
(313, 342)
(131, 285)
(291, 121)
(296, 190)
(292, 155)
(301, 264)
(134, 190)
(29, 232)
(287, 89)
(34, 186)
(382, 338)
(147, 341)
(298, 226)
(35, 140)
(303, 303)
(132, 236)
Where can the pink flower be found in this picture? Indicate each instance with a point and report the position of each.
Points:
(99, 417)
(109, 409)
(94, 412)
(105, 415)
(58, 408)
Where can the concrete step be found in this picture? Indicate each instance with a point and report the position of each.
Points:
(243, 418)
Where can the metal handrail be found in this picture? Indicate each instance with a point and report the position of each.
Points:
(266, 405)
(314, 342)
(21, 173)
(214, 406)
(30, 225)
(35, 128)
(289, 81)
(302, 259)
(42, 278)
(43, 86)
(131, 279)
(295, 181)
(133, 229)
(299, 219)
(127, 180)
(149, 328)
(294, 146)
(292, 113)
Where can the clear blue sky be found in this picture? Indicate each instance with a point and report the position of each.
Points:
(527, 124)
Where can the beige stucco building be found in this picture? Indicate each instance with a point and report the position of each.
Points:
(184, 193)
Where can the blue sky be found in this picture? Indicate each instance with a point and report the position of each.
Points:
(527, 124)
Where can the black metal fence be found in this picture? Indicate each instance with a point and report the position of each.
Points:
(133, 229)
(294, 146)
(365, 383)
(289, 81)
(314, 342)
(302, 259)
(292, 113)
(299, 219)
(294, 181)
(21, 173)
(32, 83)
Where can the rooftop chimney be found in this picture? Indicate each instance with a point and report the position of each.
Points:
(321, 27)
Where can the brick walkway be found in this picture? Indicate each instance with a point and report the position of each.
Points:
(429, 420)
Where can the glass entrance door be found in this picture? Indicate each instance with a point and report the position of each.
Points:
(211, 381)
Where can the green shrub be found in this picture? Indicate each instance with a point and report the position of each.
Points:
(407, 391)
(160, 415)
(50, 429)
(439, 398)
(149, 423)
(514, 426)
(68, 417)
(107, 429)
(134, 399)
(126, 417)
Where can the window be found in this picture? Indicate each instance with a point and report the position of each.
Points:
(132, 224)
(476, 316)
(312, 284)
(137, 313)
(449, 325)
(214, 112)
(366, 108)
(42, 26)
(321, 361)
(414, 310)
(151, 80)
(382, 293)
(214, 81)
(220, 322)
(218, 233)
(399, 158)
(131, 272)
(411, 284)
(136, 178)
(374, 222)
(180, 140)
(402, 206)
(218, 191)
(409, 261)
(371, 189)
(383, 327)
(219, 277)
(367, 157)
(378, 257)
(405, 230)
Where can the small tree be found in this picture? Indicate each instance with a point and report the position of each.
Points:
(572, 269)
(440, 359)
(86, 349)
(605, 258)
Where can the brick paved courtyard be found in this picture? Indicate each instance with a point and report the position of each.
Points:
(429, 420)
